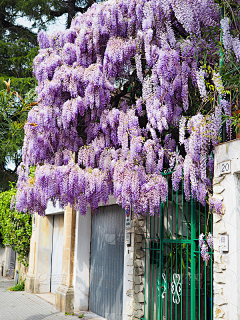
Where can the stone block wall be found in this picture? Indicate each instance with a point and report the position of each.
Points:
(219, 268)
(139, 267)
(22, 270)
(226, 273)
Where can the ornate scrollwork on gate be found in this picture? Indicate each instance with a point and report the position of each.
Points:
(176, 288)
(164, 285)
(159, 282)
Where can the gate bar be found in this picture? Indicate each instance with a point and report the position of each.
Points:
(193, 271)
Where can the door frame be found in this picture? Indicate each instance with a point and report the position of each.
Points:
(82, 256)
(51, 276)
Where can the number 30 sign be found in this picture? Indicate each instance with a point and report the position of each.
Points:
(225, 167)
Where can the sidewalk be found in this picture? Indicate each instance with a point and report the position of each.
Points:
(19, 305)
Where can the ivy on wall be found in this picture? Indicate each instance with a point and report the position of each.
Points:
(15, 227)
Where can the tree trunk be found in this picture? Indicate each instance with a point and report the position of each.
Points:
(71, 11)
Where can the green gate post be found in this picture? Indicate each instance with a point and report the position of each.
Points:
(193, 266)
(161, 260)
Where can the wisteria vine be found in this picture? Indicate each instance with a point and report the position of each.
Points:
(113, 90)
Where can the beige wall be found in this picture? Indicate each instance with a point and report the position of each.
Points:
(38, 277)
(65, 293)
(22, 270)
(39, 271)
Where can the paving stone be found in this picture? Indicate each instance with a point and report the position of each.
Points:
(20, 305)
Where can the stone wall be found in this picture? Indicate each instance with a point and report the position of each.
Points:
(219, 269)
(226, 187)
(21, 269)
(139, 266)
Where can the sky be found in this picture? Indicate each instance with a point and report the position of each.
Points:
(58, 25)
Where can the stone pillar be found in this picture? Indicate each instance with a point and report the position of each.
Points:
(139, 267)
(128, 287)
(64, 299)
(43, 255)
(81, 281)
(39, 271)
(21, 270)
(29, 282)
(226, 187)
(219, 268)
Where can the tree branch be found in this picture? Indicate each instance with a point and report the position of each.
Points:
(20, 30)
(84, 9)
(116, 98)
(58, 13)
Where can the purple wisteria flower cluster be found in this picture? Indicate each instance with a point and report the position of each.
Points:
(216, 205)
(205, 246)
(95, 132)
(230, 42)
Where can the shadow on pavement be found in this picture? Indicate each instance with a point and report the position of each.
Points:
(41, 316)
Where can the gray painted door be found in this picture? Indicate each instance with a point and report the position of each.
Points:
(106, 270)
(57, 252)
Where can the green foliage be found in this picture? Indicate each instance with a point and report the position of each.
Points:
(18, 43)
(17, 58)
(18, 47)
(21, 85)
(1, 239)
(18, 286)
(39, 13)
(16, 227)
(69, 314)
(13, 115)
(235, 121)
(230, 70)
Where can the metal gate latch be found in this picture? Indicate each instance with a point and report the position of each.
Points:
(176, 288)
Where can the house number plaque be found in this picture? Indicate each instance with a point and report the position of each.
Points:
(225, 167)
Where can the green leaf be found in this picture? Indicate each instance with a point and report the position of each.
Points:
(15, 227)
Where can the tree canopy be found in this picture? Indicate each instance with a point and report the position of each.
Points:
(40, 13)
(18, 47)
(130, 90)
(18, 43)
(13, 115)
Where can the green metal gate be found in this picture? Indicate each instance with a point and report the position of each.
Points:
(178, 283)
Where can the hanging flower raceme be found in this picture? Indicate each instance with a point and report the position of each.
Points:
(205, 246)
(229, 41)
(216, 205)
